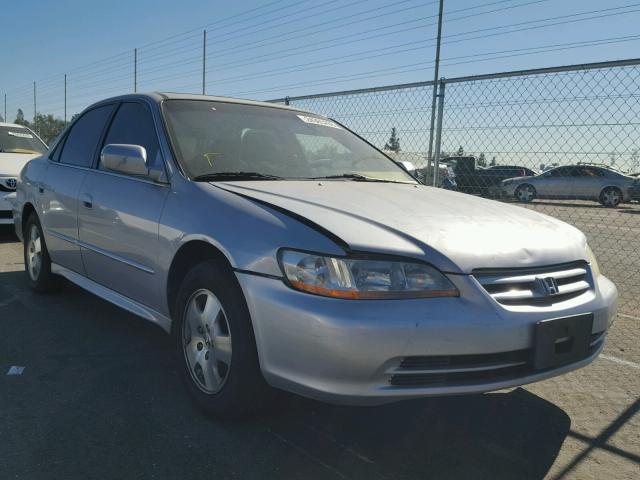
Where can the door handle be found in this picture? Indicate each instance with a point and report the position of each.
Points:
(40, 188)
(87, 200)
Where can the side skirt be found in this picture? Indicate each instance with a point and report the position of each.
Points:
(114, 297)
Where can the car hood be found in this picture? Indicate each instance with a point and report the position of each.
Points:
(12, 163)
(453, 231)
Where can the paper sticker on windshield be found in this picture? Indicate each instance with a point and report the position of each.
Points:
(21, 135)
(319, 121)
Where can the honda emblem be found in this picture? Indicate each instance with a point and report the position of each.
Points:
(549, 285)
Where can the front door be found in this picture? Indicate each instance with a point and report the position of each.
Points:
(556, 183)
(61, 186)
(119, 215)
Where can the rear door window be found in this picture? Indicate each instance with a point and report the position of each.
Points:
(82, 142)
(133, 125)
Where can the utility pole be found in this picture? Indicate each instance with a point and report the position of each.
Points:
(435, 85)
(35, 112)
(5, 108)
(204, 61)
(135, 70)
(65, 99)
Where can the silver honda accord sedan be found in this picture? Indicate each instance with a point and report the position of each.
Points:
(279, 249)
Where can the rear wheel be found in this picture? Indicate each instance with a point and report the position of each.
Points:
(525, 193)
(36, 258)
(611, 197)
(215, 346)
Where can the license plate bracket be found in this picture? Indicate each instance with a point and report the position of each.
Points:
(561, 341)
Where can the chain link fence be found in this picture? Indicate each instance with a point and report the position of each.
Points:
(576, 128)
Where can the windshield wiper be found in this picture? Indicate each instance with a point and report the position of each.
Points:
(235, 176)
(357, 177)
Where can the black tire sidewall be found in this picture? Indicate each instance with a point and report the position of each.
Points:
(244, 389)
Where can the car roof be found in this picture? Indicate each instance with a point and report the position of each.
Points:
(159, 97)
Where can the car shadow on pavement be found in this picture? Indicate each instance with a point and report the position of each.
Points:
(100, 394)
(7, 234)
(513, 434)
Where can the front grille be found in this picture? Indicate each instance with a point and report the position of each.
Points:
(459, 370)
(6, 214)
(527, 286)
(8, 184)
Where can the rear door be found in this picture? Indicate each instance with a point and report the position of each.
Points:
(588, 183)
(119, 214)
(60, 188)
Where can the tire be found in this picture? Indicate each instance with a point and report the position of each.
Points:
(611, 197)
(215, 346)
(37, 263)
(525, 193)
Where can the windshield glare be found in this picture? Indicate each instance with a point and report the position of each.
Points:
(20, 140)
(217, 137)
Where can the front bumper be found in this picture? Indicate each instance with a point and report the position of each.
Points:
(634, 193)
(6, 207)
(343, 351)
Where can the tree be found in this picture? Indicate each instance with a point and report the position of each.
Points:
(20, 118)
(394, 141)
(460, 151)
(482, 161)
(493, 162)
(48, 126)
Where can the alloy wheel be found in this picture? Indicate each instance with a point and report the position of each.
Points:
(206, 341)
(34, 253)
(525, 193)
(611, 197)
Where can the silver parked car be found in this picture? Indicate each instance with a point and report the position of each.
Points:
(281, 250)
(575, 182)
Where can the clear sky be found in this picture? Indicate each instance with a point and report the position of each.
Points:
(273, 48)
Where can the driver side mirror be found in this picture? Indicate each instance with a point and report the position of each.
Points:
(130, 160)
(127, 159)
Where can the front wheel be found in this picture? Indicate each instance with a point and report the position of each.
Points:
(215, 346)
(36, 258)
(611, 197)
(525, 193)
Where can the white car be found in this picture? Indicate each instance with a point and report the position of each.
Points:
(18, 145)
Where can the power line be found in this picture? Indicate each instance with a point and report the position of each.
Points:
(514, 52)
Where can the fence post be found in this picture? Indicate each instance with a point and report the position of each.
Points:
(5, 108)
(135, 70)
(65, 98)
(435, 84)
(204, 60)
(436, 163)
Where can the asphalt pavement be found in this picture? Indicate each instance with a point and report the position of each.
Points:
(99, 397)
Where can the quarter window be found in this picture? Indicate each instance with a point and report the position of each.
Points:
(133, 125)
(80, 147)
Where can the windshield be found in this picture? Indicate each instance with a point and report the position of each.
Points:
(20, 140)
(213, 138)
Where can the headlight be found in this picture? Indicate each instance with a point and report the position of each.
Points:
(363, 278)
(595, 268)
